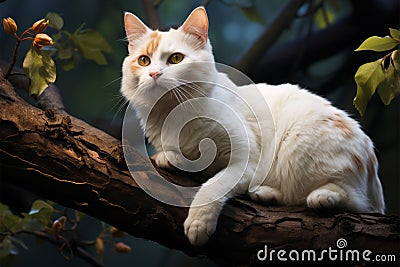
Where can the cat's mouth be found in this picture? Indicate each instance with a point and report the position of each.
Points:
(155, 84)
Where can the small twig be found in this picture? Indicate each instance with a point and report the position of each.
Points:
(157, 3)
(151, 14)
(86, 243)
(325, 14)
(88, 257)
(311, 10)
(298, 59)
(206, 2)
(227, 3)
(82, 253)
(19, 39)
(61, 248)
(14, 58)
(249, 60)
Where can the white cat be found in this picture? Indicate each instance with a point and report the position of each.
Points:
(317, 154)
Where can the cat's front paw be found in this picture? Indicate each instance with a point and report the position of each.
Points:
(266, 194)
(323, 199)
(200, 225)
(161, 159)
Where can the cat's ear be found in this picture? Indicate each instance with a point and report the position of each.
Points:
(134, 27)
(197, 25)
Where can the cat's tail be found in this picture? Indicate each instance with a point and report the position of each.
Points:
(375, 192)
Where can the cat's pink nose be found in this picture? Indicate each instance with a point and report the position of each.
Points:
(155, 74)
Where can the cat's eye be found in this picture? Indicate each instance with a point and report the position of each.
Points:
(144, 61)
(175, 58)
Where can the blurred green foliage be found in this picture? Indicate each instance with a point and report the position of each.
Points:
(71, 46)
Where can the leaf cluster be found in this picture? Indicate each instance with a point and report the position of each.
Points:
(10, 225)
(62, 231)
(70, 47)
(382, 75)
(67, 47)
(325, 13)
(248, 9)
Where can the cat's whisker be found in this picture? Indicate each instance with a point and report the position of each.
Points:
(185, 102)
(189, 96)
(113, 81)
(194, 87)
(177, 97)
(182, 98)
(119, 105)
(184, 84)
(174, 93)
(184, 95)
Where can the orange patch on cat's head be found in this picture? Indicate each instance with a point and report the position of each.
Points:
(134, 66)
(152, 45)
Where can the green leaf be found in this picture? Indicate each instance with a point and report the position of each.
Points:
(324, 17)
(395, 34)
(8, 261)
(55, 20)
(31, 223)
(18, 241)
(64, 53)
(69, 64)
(56, 37)
(40, 69)
(95, 55)
(7, 248)
(333, 4)
(9, 221)
(378, 44)
(389, 88)
(78, 30)
(43, 208)
(39, 216)
(252, 14)
(249, 10)
(368, 77)
(395, 59)
(92, 44)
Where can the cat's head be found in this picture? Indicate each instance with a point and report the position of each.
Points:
(160, 60)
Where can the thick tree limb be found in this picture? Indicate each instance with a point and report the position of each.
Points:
(61, 158)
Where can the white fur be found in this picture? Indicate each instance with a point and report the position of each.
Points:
(322, 157)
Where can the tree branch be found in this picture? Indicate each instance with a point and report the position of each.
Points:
(249, 60)
(82, 253)
(278, 63)
(63, 159)
(151, 13)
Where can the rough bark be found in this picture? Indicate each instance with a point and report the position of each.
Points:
(61, 158)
